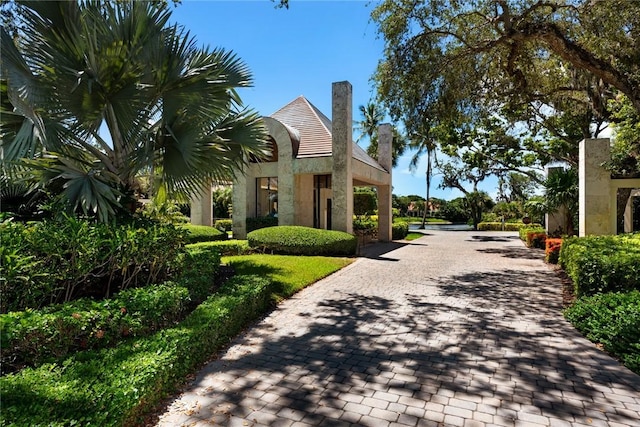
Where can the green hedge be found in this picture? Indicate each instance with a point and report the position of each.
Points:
(224, 225)
(531, 228)
(613, 320)
(116, 386)
(30, 338)
(202, 233)
(599, 264)
(261, 222)
(227, 247)
(60, 260)
(399, 230)
(508, 226)
(297, 240)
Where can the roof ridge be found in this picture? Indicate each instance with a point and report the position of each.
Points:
(319, 114)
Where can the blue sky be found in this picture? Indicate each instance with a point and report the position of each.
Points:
(301, 51)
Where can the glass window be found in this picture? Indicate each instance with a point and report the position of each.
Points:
(267, 197)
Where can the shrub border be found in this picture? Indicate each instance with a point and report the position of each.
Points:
(133, 377)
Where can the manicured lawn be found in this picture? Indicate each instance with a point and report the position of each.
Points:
(413, 236)
(288, 273)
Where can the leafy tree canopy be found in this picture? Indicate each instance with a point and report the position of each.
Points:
(453, 58)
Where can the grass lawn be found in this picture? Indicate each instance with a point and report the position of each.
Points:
(413, 236)
(289, 273)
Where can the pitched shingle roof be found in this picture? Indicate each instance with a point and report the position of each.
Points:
(315, 131)
(314, 127)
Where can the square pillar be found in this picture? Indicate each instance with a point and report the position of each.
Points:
(597, 207)
(342, 152)
(385, 159)
(240, 206)
(201, 206)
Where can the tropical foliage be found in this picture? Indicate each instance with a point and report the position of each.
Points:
(96, 93)
(372, 117)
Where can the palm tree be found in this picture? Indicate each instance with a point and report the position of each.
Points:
(424, 145)
(99, 91)
(372, 118)
(561, 191)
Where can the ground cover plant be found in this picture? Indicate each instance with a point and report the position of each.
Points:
(613, 321)
(297, 240)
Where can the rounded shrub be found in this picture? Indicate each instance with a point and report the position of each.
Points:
(297, 240)
(399, 230)
(202, 233)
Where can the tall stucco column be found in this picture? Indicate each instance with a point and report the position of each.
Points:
(239, 216)
(596, 212)
(385, 159)
(342, 152)
(201, 206)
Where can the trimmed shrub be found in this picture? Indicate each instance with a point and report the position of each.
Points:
(536, 239)
(599, 264)
(399, 230)
(30, 338)
(115, 386)
(613, 320)
(536, 228)
(226, 247)
(224, 225)
(203, 233)
(552, 250)
(365, 226)
(261, 222)
(61, 260)
(508, 226)
(297, 240)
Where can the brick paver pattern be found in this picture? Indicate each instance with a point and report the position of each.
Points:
(452, 329)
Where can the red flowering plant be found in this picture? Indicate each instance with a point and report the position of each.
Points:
(552, 250)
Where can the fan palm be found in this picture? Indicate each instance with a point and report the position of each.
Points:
(99, 91)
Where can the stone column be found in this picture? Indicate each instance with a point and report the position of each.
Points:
(385, 159)
(201, 206)
(597, 209)
(342, 152)
(240, 195)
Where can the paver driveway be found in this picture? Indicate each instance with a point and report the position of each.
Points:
(455, 328)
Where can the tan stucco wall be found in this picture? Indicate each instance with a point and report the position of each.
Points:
(304, 200)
